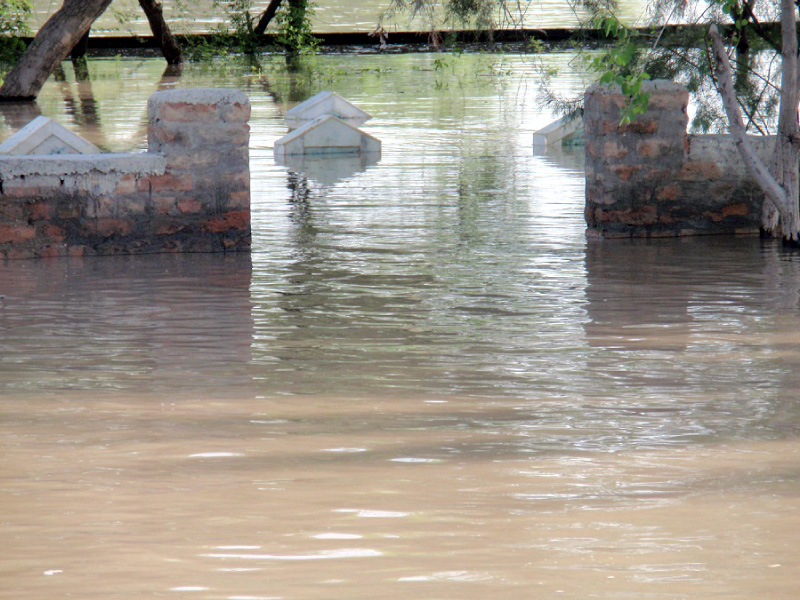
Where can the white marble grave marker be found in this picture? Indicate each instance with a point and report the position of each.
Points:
(326, 135)
(45, 136)
(322, 104)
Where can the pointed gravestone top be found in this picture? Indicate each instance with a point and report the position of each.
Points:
(45, 136)
(329, 169)
(326, 103)
(326, 135)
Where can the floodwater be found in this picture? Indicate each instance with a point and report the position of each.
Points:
(125, 17)
(422, 383)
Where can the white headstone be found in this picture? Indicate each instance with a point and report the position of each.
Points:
(322, 104)
(556, 132)
(326, 135)
(45, 136)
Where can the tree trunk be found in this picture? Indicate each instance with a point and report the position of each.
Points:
(161, 32)
(787, 146)
(266, 17)
(781, 185)
(51, 45)
(81, 48)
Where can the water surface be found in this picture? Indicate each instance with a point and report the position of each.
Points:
(125, 17)
(422, 383)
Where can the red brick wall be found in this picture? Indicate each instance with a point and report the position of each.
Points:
(189, 193)
(650, 179)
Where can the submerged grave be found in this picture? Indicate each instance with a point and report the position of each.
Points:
(326, 135)
(324, 142)
(45, 136)
(189, 192)
(650, 178)
(322, 105)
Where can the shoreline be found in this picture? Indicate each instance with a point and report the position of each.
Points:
(404, 41)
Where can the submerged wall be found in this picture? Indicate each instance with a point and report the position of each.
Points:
(651, 179)
(190, 192)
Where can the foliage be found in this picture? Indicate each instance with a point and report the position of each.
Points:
(618, 65)
(690, 61)
(237, 32)
(294, 27)
(125, 15)
(477, 15)
(238, 24)
(13, 24)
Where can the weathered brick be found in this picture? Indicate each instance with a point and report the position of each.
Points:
(655, 148)
(739, 209)
(107, 226)
(674, 101)
(668, 193)
(235, 134)
(18, 189)
(180, 182)
(184, 112)
(644, 215)
(129, 210)
(170, 229)
(699, 170)
(234, 112)
(16, 233)
(191, 161)
(17, 252)
(239, 199)
(613, 150)
(625, 172)
(54, 233)
(126, 185)
(51, 251)
(644, 126)
(68, 208)
(189, 205)
(169, 134)
(11, 211)
(164, 204)
(237, 219)
(39, 211)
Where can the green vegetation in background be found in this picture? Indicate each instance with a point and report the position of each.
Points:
(634, 56)
(13, 25)
(293, 33)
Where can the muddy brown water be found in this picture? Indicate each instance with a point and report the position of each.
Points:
(422, 383)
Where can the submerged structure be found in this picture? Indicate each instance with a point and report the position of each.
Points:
(325, 124)
(650, 178)
(324, 104)
(45, 136)
(326, 135)
(189, 192)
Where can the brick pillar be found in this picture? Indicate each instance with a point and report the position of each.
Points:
(632, 170)
(204, 135)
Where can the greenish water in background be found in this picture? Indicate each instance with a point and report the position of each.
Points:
(125, 17)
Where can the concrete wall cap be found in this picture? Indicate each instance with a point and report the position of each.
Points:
(145, 163)
(199, 96)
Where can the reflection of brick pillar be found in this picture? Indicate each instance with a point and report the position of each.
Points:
(203, 134)
(631, 170)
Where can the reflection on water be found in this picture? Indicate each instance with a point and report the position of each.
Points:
(423, 383)
(124, 17)
(326, 170)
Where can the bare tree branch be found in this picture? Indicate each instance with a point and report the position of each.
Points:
(266, 17)
(51, 45)
(760, 171)
(161, 32)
